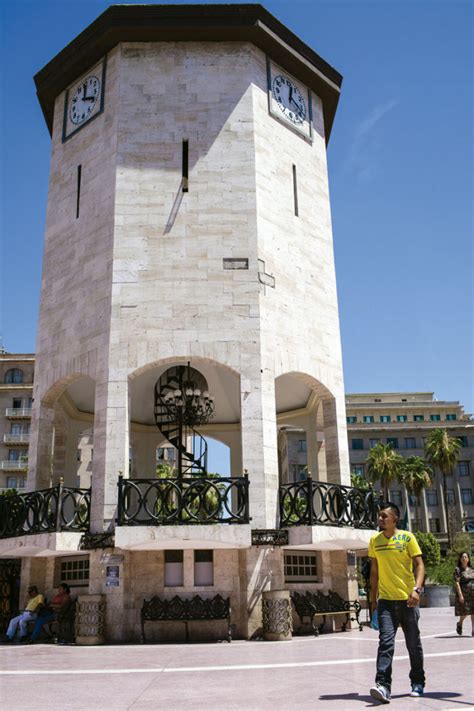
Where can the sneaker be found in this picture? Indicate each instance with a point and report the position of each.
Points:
(417, 690)
(381, 693)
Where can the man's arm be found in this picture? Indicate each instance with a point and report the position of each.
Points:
(374, 583)
(414, 598)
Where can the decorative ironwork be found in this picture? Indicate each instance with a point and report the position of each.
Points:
(276, 616)
(192, 500)
(10, 571)
(269, 537)
(182, 402)
(186, 610)
(60, 508)
(94, 541)
(317, 604)
(311, 503)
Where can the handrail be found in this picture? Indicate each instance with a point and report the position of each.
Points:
(316, 503)
(18, 412)
(181, 501)
(61, 508)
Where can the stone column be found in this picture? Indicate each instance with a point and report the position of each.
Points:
(335, 435)
(60, 444)
(41, 448)
(312, 447)
(259, 446)
(111, 438)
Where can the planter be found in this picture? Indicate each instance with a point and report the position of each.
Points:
(277, 617)
(437, 595)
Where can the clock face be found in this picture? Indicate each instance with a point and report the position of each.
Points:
(289, 99)
(84, 100)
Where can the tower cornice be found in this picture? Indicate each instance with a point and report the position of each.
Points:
(189, 23)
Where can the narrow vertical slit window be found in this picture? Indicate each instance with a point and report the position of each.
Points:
(295, 191)
(185, 177)
(78, 196)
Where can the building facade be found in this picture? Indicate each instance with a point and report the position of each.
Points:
(189, 236)
(404, 420)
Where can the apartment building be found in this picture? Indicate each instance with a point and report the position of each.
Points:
(404, 420)
(16, 399)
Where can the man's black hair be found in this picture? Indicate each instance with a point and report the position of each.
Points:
(393, 508)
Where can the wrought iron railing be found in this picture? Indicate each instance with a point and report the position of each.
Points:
(61, 508)
(316, 503)
(180, 501)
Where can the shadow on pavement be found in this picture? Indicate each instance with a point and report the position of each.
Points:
(367, 699)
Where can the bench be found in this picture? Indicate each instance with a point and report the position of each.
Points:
(317, 604)
(186, 610)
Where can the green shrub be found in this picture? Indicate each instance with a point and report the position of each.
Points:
(429, 547)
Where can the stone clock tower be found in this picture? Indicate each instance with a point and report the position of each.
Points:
(189, 222)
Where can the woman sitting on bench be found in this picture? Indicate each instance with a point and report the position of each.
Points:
(50, 612)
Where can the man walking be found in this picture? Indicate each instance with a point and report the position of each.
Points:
(395, 592)
(34, 602)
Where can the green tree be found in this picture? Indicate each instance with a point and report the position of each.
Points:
(360, 482)
(442, 451)
(430, 548)
(383, 465)
(416, 475)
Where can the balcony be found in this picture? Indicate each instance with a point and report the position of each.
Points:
(316, 503)
(21, 438)
(52, 510)
(13, 466)
(18, 413)
(186, 501)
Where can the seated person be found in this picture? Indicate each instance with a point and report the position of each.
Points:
(29, 614)
(51, 611)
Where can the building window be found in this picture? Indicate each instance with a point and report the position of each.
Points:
(451, 417)
(435, 418)
(416, 524)
(14, 376)
(301, 445)
(463, 440)
(431, 497)
(203, 568)
(396, 497)
(373, 442)
(462, 468)
(377, 399)
(13, 455)
(74, 571)
(414, 500)
(357, 443)
(466, 496)
(300, 472)
(410, 443)
(385, 418)
(393, 442)
(174, 569)
(402, 418)
(450, 496)
(368, 419)
(418, 418)
(357, 469)
(17, 403)
(435, 526)
(301, 567)
(351, 420)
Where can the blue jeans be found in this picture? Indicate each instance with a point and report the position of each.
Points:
(391, 614)
(47, 617)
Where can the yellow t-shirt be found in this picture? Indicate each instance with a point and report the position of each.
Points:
(394, 558)
(34, 602)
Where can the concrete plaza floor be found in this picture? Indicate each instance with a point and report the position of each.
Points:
(334, 671)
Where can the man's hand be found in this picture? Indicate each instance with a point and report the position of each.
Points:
(413, 599)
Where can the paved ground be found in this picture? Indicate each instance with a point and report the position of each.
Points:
(333, 671)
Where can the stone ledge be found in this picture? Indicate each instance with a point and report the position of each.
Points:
(183, 537)
(40, 545)
(329, 538)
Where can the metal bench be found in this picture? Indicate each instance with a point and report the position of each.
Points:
(186, 610)
(317, 604)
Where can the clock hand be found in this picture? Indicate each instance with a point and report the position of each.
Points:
(290, 95)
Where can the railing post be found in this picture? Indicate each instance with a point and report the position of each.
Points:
(59, 505)
(309, 483)
(119, 502)
(246, 494)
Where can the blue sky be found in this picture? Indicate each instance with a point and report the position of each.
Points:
(400, 162)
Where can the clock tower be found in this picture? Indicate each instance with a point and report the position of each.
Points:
(189, 235)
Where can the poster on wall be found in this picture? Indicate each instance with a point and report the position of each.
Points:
(112, 576)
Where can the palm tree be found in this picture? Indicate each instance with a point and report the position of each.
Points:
(442, 451)
(358, 481)
(384, 465)
(416, 475)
